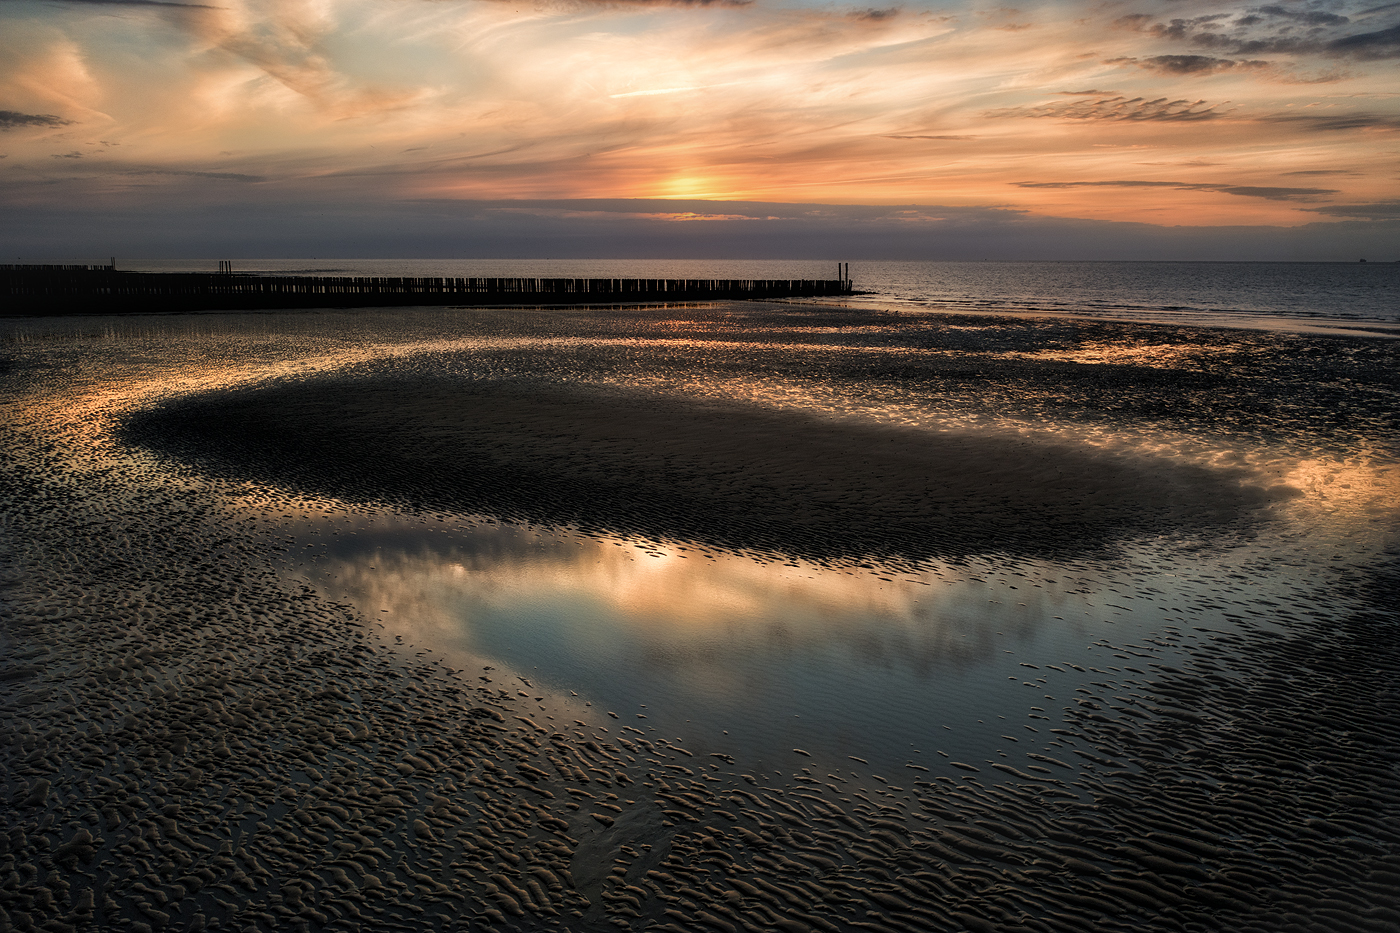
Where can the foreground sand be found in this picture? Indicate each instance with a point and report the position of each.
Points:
(191, 740)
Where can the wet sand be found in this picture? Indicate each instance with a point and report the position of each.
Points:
(191, 740)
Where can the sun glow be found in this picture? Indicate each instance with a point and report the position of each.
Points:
(688, 186)
(1069, 111)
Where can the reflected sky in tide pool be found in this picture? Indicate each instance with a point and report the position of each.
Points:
(754, 658)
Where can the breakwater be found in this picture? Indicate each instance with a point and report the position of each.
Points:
(26, 290)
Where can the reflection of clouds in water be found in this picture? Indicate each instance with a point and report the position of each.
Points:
(753, 658)
(672, 608)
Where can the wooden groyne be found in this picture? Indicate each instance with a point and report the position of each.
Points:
(26, 290)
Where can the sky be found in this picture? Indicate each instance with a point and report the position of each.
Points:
(1197, 129)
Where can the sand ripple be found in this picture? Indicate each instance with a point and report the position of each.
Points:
(189, 741)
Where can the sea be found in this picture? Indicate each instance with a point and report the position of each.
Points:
(1286, 296)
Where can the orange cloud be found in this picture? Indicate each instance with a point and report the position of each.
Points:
(403, 100)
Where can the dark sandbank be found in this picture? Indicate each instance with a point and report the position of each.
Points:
(732, 475)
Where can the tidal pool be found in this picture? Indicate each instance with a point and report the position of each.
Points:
(902, 671)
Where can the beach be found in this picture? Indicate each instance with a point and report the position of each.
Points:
(263, 665)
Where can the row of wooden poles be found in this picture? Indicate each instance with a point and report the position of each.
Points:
(79, 289)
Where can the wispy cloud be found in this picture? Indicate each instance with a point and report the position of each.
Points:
(1191, 64)
(1306, 17)
(664, 90)
(186, 173)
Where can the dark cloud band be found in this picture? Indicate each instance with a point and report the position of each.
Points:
(1379, 210)
(1336, 123)
(1377, 45)
(1116, 110)
(10, 119)
(1268, 193)
(156, 3)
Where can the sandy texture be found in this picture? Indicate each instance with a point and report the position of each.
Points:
(189, 740)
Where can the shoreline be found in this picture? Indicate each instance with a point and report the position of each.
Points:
(1321, 326)
(1204, 320)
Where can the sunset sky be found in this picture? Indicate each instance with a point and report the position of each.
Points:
(775, 127)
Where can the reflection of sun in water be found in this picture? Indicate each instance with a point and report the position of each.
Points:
(670, 599)
(654, 587)
(707, 617)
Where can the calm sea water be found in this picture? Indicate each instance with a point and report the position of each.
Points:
(1272, 295)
